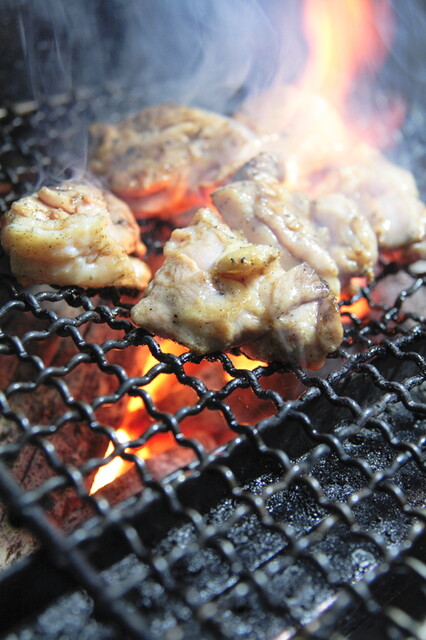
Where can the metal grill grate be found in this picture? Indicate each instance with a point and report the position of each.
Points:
(308, 522)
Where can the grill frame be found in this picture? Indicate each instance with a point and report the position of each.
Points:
(388, 365)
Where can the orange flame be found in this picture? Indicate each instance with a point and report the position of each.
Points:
(360, 308)
(242, 362)
(344, 41)
(157, 389)
(113, 469)
(159, 443)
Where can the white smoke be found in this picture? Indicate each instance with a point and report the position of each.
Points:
(202, 52)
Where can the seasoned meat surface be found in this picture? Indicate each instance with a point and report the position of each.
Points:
(165, 158)
(317, 153)
(347, 234)
(386, 195)
(74, 234)
(329, 233)
(216, 290)
(273, 217)
(263, 167)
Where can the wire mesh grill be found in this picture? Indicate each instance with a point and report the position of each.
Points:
(284, 503)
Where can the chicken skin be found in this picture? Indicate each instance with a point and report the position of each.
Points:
(385, 194)
(339, 225)
(166, 158)
(74, 234)
(216, 290)
(328, 233)
(318, 154)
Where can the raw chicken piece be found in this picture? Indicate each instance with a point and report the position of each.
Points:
(329, 233)
(74, 234)
(166, 158)
(216, 290)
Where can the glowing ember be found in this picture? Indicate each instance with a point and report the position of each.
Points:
(158, 388)
(169, 395)
(359, 308)
(242, 362)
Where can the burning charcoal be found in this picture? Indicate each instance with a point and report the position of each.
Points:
(216, 290)
(166, 158)
(72, 443)
(175, 398)
(74, 234)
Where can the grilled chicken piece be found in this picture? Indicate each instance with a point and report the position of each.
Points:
(274, 217)
(329, 233)
(264, 167)
(318, 154)
(74, 234)
(167, 158)
(340, 226)
(386, 194)
(216, 290)
(302, 128)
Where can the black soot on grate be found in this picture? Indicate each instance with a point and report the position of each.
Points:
(151, 493)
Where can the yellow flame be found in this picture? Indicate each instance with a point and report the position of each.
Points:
(343, 41)
(114, 468)
(157, 389)
(242, 362)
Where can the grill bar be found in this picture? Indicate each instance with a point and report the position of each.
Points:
(70, 559)
(309, 521)
(319, 452)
